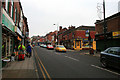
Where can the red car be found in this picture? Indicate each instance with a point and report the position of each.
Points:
(50, 47)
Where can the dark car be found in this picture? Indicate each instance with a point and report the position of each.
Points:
(111, 57)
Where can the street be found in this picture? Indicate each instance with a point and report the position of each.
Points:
(72, 64)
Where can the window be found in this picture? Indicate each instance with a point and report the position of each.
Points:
(15, 15)
(6, 6)
(12, 8)
(114, 50)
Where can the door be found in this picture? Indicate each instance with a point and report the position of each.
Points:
(77, 44)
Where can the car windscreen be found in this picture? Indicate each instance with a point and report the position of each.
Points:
(114, 50)
(61, 46)
(50, 46)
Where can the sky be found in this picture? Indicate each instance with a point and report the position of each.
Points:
(42, 14)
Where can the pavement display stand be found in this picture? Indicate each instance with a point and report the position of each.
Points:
(6, 60)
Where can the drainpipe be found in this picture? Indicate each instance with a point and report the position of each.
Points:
(9, 47)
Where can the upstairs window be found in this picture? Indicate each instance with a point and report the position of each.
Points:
(12, 8)
(6, 5)
(15, 15)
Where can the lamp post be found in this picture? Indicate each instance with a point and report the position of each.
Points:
(104, 24)
(57, 32)
(0, 39)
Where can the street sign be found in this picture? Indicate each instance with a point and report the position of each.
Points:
(116, 34)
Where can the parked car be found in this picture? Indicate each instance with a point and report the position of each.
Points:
(110, 57)
(44, 46)
(60, 48)
(41, 45)
(50, 47)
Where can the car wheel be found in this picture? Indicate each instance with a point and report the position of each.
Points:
(103, 62)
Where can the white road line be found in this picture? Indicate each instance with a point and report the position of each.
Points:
(105, 69)
(72, 58)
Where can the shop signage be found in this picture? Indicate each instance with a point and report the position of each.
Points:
(7, 21)
(19, 38)
(87, 32)
(116, 34)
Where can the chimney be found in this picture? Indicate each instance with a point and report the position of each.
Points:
(60, 28)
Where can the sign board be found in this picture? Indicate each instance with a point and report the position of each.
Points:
(116, 34)
(7, 21)
(87, 33)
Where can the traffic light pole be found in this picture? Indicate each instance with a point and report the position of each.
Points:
(0, 39)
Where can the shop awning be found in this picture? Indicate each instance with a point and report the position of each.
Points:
(5, 30)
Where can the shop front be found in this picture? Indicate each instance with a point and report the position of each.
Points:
(77, 44)
(8, 35)
(112, 40)
(19, 37)
(87, 44)
(84, 44)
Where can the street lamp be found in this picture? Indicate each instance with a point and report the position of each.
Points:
(104, 24)
(57, 32)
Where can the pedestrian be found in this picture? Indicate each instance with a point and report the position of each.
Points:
(16, 52)
(21, 54)
(21, 47)
(29, 50)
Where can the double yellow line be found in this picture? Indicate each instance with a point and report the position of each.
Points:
(42, 67)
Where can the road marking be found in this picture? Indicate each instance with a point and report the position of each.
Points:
(40, 67)
(72, 58)
(105, 69)
(43, 67)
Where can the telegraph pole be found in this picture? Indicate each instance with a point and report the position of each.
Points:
(0, 39)
(104, 25)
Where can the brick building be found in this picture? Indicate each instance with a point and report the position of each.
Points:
(77, 38)
(42, 40)
(12, 26)
(50, 38)
(113, 32)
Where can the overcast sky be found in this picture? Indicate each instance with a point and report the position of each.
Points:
(42, 14)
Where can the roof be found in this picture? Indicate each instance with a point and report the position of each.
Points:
(110, 17)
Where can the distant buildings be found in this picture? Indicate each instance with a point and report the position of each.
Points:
(72, 38)
(77, 38)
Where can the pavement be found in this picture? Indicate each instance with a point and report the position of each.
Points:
(25, 69)
(86, 52)
(95, 54)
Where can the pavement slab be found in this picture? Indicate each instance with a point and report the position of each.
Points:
(20, 69)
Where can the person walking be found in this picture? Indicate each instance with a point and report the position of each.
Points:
(21, 53)
(29, 50)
